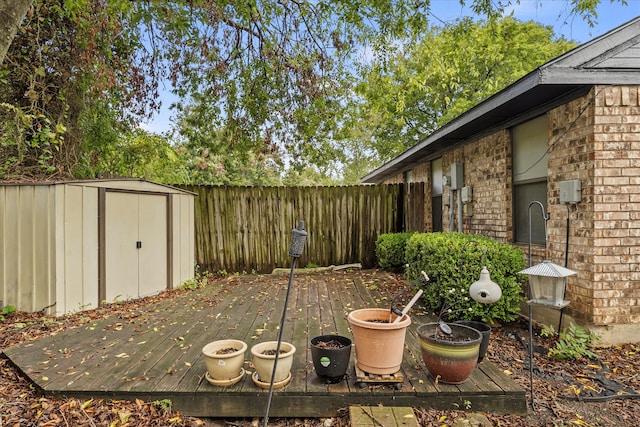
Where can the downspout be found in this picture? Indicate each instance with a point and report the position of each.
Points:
(566, 261)
(459, 207)
(451, 200)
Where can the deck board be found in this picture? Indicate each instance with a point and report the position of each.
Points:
(156, 353)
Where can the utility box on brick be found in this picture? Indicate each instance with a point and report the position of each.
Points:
(570, 191)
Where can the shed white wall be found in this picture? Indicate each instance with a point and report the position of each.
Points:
(27, 266)
(183, 239)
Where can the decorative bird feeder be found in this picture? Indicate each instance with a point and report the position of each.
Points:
(548, 284)
(484, 290)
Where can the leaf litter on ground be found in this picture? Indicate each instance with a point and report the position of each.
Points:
(584, 392)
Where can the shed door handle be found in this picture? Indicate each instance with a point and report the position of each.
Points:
(138, 244)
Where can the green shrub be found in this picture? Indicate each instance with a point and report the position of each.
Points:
(453, 262)
(7, 309)
(390, 248)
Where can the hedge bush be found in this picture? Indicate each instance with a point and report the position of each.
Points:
(453, 262)
(390, 250)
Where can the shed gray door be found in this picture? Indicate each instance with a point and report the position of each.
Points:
(135, 245)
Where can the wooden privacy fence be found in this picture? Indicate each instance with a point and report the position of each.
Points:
(249, 228)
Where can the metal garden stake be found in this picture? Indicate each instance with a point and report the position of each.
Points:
(298, 237)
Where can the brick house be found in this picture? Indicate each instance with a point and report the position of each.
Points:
(566, 135)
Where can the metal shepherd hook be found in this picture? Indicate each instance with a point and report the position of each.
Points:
(545, 217)
(298, 237)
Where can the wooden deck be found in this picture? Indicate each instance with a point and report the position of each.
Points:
(156, 354)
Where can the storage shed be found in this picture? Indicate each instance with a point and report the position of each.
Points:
(69, 246)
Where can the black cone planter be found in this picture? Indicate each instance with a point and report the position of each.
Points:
(331, 355)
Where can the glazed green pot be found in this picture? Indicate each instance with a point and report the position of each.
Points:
(485, 331)
(449, 358)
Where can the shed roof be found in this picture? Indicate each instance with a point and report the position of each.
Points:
(611, 59)
(128, 183)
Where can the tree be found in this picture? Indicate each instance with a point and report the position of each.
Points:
(207, 167)
(68, 63)
(11, 14)
(140, 154)
(449, 71)
(268, 74)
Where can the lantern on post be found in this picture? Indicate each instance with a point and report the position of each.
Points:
(548, 284)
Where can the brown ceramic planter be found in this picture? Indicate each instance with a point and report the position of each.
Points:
(379, 346)
(449, 361)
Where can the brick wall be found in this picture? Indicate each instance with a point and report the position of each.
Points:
(570, 156)
(616, 205)
(597, 139)
(488, 170)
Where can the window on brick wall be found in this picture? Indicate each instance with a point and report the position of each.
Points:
(436, 195)
(529, 178)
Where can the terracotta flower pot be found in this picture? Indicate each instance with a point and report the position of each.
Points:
(331, 361)
(224, 359)
(449, 358)
(263, 363)
(378, 341)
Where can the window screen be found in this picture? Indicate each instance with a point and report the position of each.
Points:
(529, 178)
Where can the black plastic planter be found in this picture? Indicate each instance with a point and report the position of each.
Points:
(331, 355)
(485, 331)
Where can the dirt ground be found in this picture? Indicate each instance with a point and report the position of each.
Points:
(585, 392)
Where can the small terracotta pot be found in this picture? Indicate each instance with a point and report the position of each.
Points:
(379, 346)
(263, 363)
(449, 361)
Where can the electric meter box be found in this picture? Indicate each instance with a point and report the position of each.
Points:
(570, 191)
(457, 176)
(466, 194)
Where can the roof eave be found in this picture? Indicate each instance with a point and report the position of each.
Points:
(406, 158)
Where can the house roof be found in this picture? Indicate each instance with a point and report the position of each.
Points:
(611, 59)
